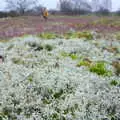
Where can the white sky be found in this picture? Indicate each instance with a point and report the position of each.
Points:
(53, 4)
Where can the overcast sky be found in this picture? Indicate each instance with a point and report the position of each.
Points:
(53, 4)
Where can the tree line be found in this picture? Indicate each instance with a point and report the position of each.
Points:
(69, 7)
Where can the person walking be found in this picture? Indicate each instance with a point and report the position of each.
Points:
(45, 14)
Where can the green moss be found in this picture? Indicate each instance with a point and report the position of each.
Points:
(116, 65)
(64, 54)
(114, 83)
(58, 94)
(71, 35)
(17, 61)
(47, 36)
(30, 79)
(54, 116)
(48, 47)
(73, 56)
(100, 69)
(118, 36)
(83, 63)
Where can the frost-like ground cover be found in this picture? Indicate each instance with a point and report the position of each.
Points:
(49, 80)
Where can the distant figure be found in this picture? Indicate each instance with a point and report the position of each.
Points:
(45, 14)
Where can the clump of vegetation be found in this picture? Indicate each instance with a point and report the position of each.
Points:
(48, 47)
(116, 65)
(73, 56)
(84, 63)
(86, 35)
(17, 61)
(112, 49)
(64, 54)
(100, 69)
(10, 47)
(39, 47)
(36, 46)
(114, 83)
(48, 36)
(118, 36)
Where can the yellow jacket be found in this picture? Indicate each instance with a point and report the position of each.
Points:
(45, 13)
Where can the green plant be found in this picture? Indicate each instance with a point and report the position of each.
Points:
(83, 63)
(113, 83)
(86, 35)
(17, 61)
(47, 36)
(118, 36)
(100, 69)
(64, 54)
(73, 56)
(116, 65)
(48, 47)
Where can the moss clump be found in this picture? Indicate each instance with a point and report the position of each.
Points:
(73, 56)
(64, 54)
(86, 35)
(18, 61)
(116, 65)
(100, 69)
(114, 83)
(118, 36)
(58, 94)
(35, 46)
(47, 36)
(71, 35)
(48, 47)
(83, 63)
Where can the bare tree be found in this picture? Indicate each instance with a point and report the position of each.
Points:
(81, 5)
(65, 5)
(95, 5)
(75, 6)
(21, 6)
(101, 4)
(106, 4)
